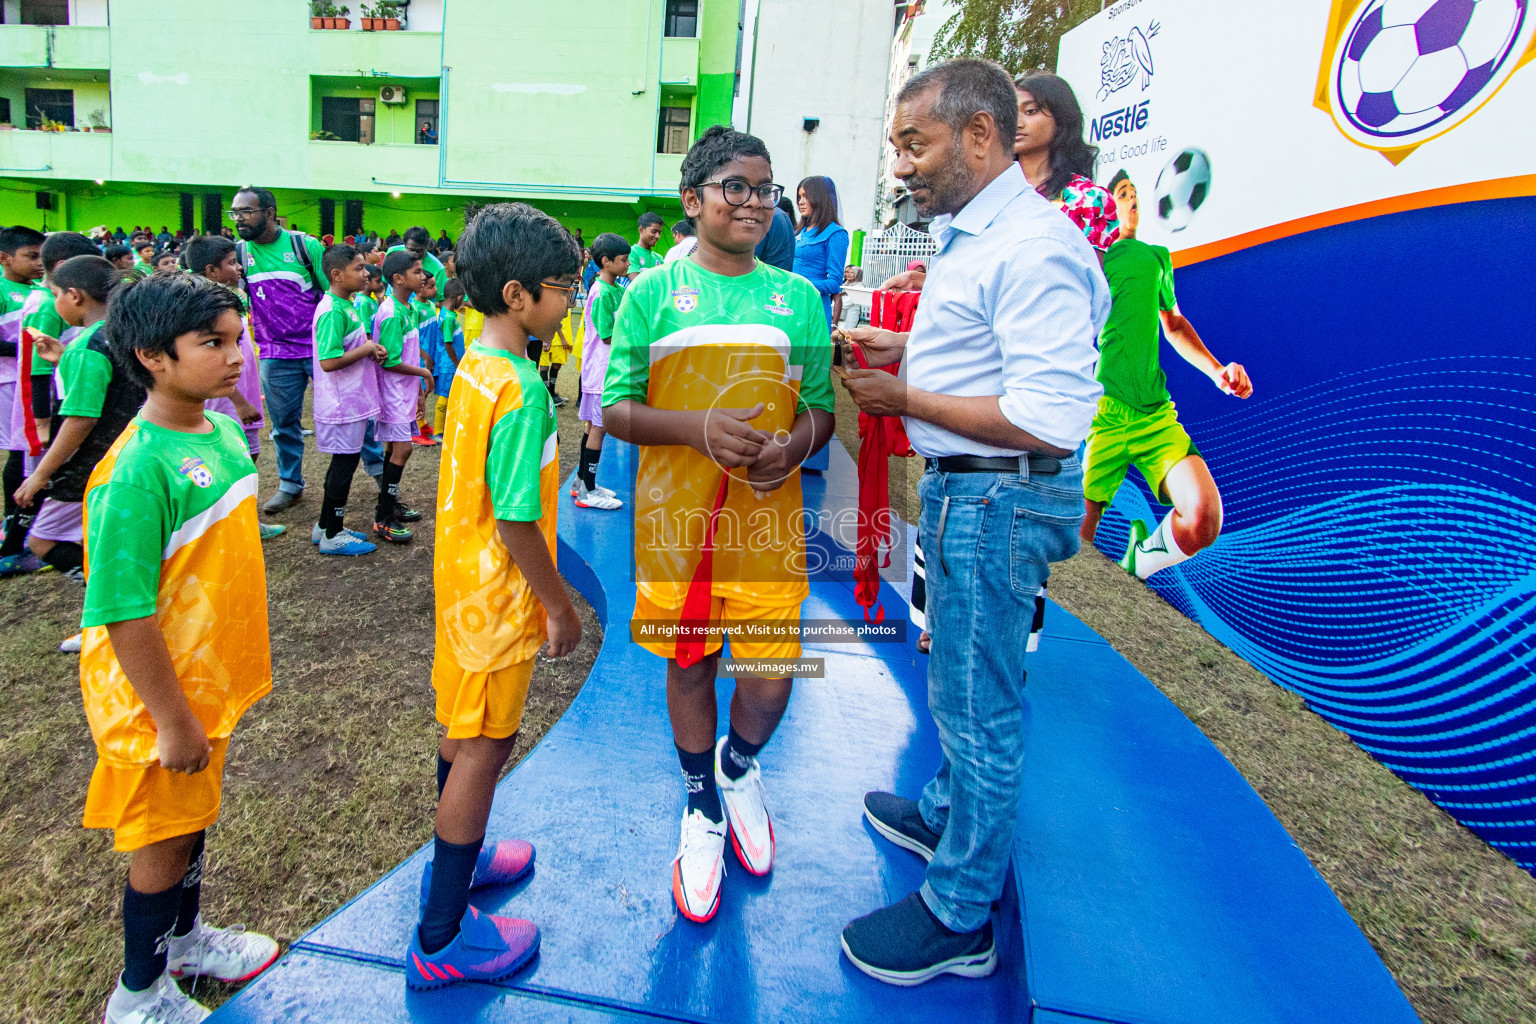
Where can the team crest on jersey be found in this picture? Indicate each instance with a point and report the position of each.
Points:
(778, 305)
(685, 299)
(194, 469)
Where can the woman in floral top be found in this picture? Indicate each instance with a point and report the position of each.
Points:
(1050, 149)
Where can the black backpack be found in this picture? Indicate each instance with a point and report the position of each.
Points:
(124, 398)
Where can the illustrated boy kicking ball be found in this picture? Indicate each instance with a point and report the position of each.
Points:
(175, 647)
(720, 371)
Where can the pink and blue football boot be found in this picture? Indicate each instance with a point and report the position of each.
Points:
(500, 863)
(487, 948)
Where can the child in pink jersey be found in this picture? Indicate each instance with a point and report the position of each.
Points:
(400, 374)
(346, 394)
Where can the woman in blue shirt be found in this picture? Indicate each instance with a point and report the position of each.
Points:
(821, 247)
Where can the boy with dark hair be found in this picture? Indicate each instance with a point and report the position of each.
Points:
(367, 300)
(144, 256)
(418, 241)
(29, 419)
(400, 373)
(346, 395)
(119, 255)
(611, 254)
(720, 370)
(215, 258)
(684, 240)
(20, 263)
(499, 595)
(93, 403)
(445, 361)
(167, 262)
(643, 256)
(428, 338)
(171, 508)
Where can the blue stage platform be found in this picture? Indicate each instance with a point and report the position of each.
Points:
(1150, 884)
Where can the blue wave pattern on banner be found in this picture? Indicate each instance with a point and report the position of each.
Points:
(1380, 544)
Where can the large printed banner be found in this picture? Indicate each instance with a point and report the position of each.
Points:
(1348, 188)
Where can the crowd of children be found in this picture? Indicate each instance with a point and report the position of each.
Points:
(137, 475)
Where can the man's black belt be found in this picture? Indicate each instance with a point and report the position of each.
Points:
(1041, 465)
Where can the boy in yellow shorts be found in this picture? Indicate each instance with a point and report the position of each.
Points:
(720, 371)
(1136, 421)
(499, 596)
(175, 644)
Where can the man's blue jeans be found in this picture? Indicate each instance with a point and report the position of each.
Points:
(283, 383)
(988, 540)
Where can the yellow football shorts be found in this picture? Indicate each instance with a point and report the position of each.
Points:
(146, 804)
(481, 703)
(724, 614)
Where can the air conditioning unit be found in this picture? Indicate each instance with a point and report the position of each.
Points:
(392, 94)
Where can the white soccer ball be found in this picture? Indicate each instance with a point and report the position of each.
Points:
(1182, 186)
(1407, 70)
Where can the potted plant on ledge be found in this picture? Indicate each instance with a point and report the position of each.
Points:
(324, 14)
(98, 121)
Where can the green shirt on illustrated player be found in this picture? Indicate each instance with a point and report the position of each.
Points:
(719, 371)
(175, 646)
(1136, 420)
(499, 597)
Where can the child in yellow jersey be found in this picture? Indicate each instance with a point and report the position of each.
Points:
(175, 645)
(720, 370)
(499, 596)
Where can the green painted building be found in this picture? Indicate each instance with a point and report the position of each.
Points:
(153, 112)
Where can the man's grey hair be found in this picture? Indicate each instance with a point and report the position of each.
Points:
(967, 85)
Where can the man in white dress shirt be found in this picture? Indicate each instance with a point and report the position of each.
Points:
(997, 392)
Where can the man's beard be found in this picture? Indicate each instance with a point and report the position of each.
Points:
(248, 232)
(949, 189)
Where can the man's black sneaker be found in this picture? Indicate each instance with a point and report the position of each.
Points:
(405, 514)
(904, 944)
(898, 819)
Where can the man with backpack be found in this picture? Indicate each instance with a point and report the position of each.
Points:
(281, 269)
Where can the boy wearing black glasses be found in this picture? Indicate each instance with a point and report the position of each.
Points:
(720, 370)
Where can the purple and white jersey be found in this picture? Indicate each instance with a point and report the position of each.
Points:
(12, 297)
(18, 423)
(394, 327)
(351, 393)
(283, 296)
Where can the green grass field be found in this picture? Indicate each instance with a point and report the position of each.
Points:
(330, 779)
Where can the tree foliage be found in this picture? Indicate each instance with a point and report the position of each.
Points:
(1021, 35)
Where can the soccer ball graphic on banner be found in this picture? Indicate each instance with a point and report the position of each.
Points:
(1409, 70)
(1182, 185)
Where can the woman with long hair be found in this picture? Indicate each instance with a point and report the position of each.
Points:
(1058, 161)
(821, 247)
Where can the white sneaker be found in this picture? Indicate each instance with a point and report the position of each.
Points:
(596, 498)
(225, 954)
(162, 1003)
(72, 645)
(699, 867)
(751, 828)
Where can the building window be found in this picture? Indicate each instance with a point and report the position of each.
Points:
(213, 213)
(352, 213)
(53, 104)
(682, 18)
(5, 110)
(672, 136)
(340, 118)
(45, 12)
(426, 122)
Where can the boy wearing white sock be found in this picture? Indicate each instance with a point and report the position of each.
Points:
(1136, 420)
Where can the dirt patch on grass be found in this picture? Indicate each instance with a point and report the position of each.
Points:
(1453, 920)
(330, 780)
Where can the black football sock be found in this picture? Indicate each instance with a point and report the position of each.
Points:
(443, 768)
(15, 531)
(148, 919)
(738, 755)
(453, 868)
(191, 889)
(338, 485)
(586, 471)
(389, 492)
(65, 555)
(699, 778)
(594, 456)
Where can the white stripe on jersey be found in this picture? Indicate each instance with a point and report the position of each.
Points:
(204, 521)
(743, 335)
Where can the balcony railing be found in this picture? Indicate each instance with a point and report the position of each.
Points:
(84, 47)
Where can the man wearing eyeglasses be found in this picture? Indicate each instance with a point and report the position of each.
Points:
(281, 272)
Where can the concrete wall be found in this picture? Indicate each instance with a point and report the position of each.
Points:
(812, 59)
